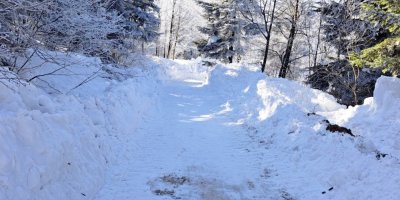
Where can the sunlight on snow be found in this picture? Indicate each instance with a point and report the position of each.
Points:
(226, 108)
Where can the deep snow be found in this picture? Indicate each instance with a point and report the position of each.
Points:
(181, 130)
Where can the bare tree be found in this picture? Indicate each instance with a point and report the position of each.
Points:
(180, 40)
(177, 31)
(171, 29)
(261, 15)
(292, 34)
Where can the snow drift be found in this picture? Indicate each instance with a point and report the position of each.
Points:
(47, 144)
(307, 161)
(54, 141)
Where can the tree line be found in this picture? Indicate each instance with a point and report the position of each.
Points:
(340, 47)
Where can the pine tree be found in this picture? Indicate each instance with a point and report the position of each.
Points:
(223, 31)
(140, 22)
(344, 30)
(347, 32)
(386, 54)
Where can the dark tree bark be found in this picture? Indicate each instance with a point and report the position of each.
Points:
(268, 37)
(292, 34)
(230, 58)
(268, 15)
(231, 48)
(165, 41)
(318, 42)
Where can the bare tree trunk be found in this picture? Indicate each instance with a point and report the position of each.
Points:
(230, 58)
(318, 42)
(231, 47)
(340, 47)
(171, 30)
(238, 39)
(354, 87)
(158, 39)
(165, 37)
(269, 31)
(177, 35)
(165, 41)
(286, 58)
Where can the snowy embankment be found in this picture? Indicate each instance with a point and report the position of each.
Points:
(55, 141)
(178, 129)
(305, 161)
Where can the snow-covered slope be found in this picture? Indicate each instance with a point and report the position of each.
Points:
(56, 144)
(181, 130)
(302, 159)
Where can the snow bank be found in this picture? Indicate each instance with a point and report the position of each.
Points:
(376, 121)
(387, 93)
(49, 147)
(302, 159)
(270, 92)
(276, 92)
(189, 71)
(312, 163)
(54, 140)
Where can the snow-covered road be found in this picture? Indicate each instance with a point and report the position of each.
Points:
(182, 130)
(189, 149)
(233, 134)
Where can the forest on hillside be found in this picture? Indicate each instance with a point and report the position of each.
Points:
(338, 46)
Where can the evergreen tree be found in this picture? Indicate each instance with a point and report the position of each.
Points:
(344, 30)
(385, 54)
(223, 31)
(140, 21)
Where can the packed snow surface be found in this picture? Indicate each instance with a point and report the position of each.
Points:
(183, 130)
